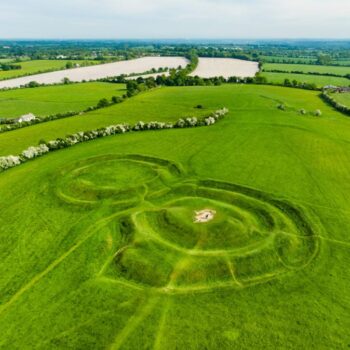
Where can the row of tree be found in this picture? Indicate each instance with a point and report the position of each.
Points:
(308, 73)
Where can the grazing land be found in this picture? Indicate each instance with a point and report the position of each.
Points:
(318, 80)
(225, 67)
(307, 68)
(102, 251)
(50, 100)
(35, 66)
(139, 65)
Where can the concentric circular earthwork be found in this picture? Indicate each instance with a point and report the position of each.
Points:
(252, 238)
(116, 178)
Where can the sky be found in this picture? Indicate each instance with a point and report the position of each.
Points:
(176, 19)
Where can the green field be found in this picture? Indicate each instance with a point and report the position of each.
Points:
(320, 81)
(307, 68)
(344, 62)
(343, 98)
(158, 105)
(301, 60)
(49, 100)
(36, 66)
(99, 247)
(5, 60)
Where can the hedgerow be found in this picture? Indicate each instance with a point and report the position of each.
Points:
(331, 101)
(83, 136)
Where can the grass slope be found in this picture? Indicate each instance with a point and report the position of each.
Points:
(320, 81)
(307, 68)
(85, 265)
(48, 100)
(35, 66)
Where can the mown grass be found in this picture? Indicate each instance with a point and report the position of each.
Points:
(66, 284)
(305, 68)
(320, 81)
(50, 100)
(36, 66)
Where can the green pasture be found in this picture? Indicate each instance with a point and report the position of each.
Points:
(43, 101)
(301, 60)
(36, 66)
(100, 249)
(5, 60)
(343, 62)
(343, 98)
(307, 68)
(156, 105)
(320, 81)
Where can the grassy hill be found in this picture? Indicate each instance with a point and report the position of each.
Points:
(99, 248)
(49, 100)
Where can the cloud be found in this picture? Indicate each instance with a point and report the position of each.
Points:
(175, 18)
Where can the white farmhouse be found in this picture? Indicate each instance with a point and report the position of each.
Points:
(26, 118)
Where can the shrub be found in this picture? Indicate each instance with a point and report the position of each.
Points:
(117, 99)
(9, 162)
(33, 152)
(180, 123)
(32, 84)
(103, 103)
(318, 113)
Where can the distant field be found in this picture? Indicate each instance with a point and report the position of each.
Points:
(139, 65)
(226, 67)
(307, 68)
(99, 249)
(5, 60)
(48, 100)
(320, 81)
(342, 98)
(35, 66)
(302, 60)
(343, 62)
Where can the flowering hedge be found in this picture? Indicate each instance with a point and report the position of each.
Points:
(79, 137)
